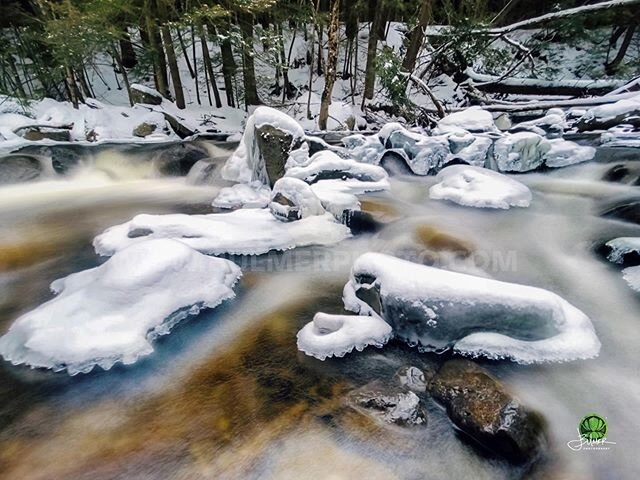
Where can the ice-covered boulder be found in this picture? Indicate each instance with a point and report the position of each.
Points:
(250, 231)
(471, 149)
(553, 121)
(366, 149)
(326, 165)
(113, 313)
(438, 310)
(388, 404)
(472, 119)
(621, 249)
(563, 153)
(336, 335)
(479, 187)
(603, 117)
(520, 152)
(292, 199)
(242, 195)
(268, 138)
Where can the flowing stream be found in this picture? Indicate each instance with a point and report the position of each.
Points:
(228, 395)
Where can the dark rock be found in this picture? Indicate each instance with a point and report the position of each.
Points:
(289, 213)
(360, 222)
(148, 96)
(204, 172)
(388, 404)
(628, 174)
(395, 163)
(35, 134)
(18, 169)
(630, 259)
(144, 129)
(177, 126)
(64, 159)
(139, 232)
(274, 145)
(178, 159)
(627, 210)
(483, 409)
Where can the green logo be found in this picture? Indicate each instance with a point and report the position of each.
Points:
(593, 427)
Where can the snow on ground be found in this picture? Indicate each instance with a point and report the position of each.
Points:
(436, 309)
(336, 335)
(112, 313)
(242, 195)
(473, 119)
(243, 232)
(479, 187)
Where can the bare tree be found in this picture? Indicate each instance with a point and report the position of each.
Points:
(331, 65)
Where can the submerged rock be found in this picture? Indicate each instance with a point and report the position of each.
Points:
(413, 378)
(388, 404)
(18, 169)
(483, 409)
(179, 159)
(438, 240)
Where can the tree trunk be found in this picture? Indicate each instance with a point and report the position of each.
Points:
(372, 50)
(208, 66)
(228, 66)
(332, 62)
(123, 71)
(173, 66)
(184, 53)
(611, 67)
(248, 69)
(127, 53)
(159, 60)
(74, 91)
(416, 37)
(195, 64)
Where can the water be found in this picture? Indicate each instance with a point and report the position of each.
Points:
(227, 395)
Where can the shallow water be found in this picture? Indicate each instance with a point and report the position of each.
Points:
(227, 394)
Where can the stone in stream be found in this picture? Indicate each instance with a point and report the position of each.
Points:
(622, 173)
(481, 407)
(292, 199)
(18, 169)
(627, 210)
(179, 159)
(388, 404)
(520, 152)
(412, 378)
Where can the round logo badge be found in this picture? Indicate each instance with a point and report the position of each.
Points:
(593, 427)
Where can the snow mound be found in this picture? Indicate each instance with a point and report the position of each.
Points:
(241, 232)
(479, 187)
(621, 246)
(327, 165)
(112, 313)
(242, 195)
(336, 335)
(473, 119)
(245, 163)
(564, 152)
(293, 199)
(631, 275)
(438, 310)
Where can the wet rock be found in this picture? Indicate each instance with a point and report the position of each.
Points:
(481, 407)
(144, 129)
(178, 127)
(204, 172)
(146, 95)
(18, 169)
(361, 222)
(437, 240)
(35, 134)
(412, 378)
(626, 210)
(388, 404)
(64, 159)
(622, 173)
(274, 145)
(178, 159)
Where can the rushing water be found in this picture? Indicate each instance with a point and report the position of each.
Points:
(227, 394)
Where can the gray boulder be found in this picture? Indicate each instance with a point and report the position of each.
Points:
(140, 94)
(18, 169)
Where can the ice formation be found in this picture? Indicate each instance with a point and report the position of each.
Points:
(336, 335)
(112, 313)
(243, 232)
(242, 195)
(631, 275)
(364, 149)
(621, 246)
(564, 152)
(246, 163)
(472, 119)
(439, 310)
(293, 199)
(520, 152)
(471, 149)
(479, 187)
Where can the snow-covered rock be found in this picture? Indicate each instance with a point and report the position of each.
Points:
(292, 199)
(268, 138)
(336, 335)
(564, 152)
(622, 246)
(366, 149)
(242, 195)
(631, 275)
(438, 310)
(471, 149)
(603, 117)
(473, 119)
(244, 232)
(112, 313)
(520, 152)
(555, 118)
(479, 187)
(326, 165)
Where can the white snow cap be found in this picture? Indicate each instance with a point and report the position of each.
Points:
(473, 119)
(241, 166)
(328, 161)
(242, 195)
(336, 335)
(112, 313)
(479, 187)
(437, 309)
(243, 232)
(564, 152)
(631, 275)
(300, 194)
